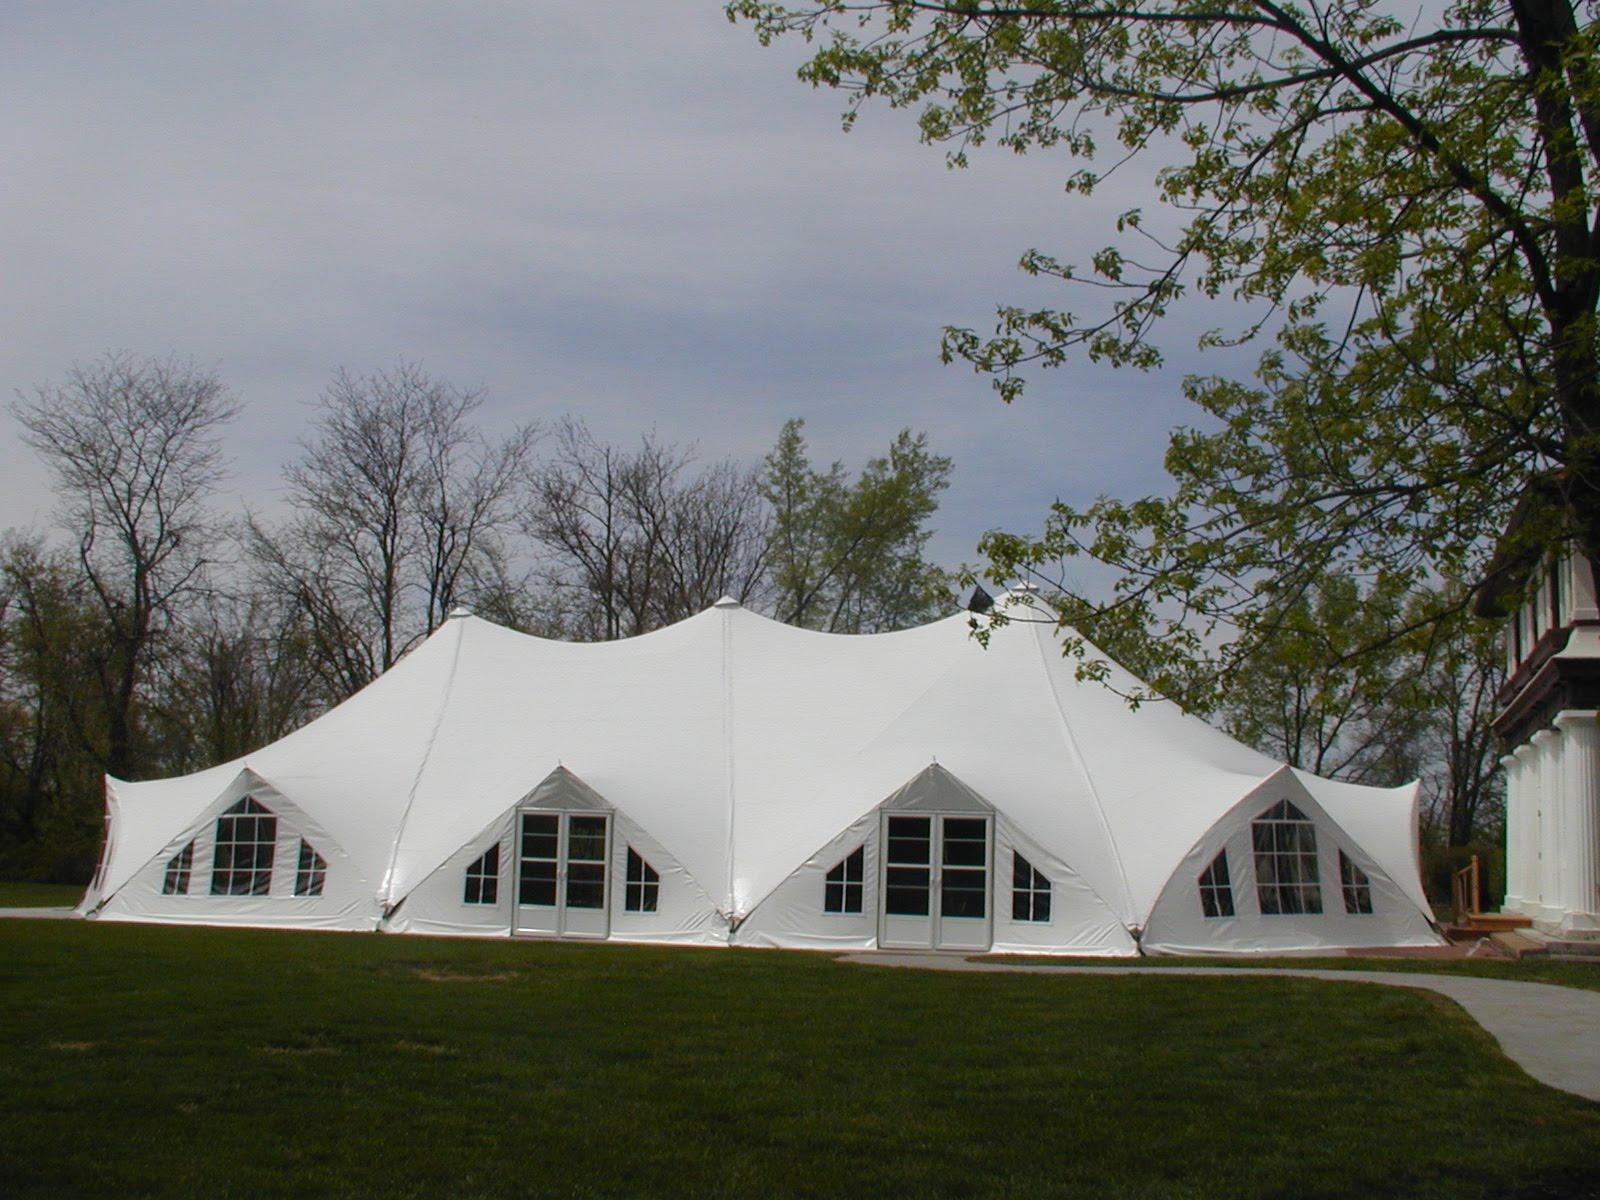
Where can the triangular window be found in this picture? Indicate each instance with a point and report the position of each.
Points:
(483, 877)
(311, 871)
(1030, 891)
(642, 890)
(1216, 892)
(179, 868)
(1357, 887)
(842, 892)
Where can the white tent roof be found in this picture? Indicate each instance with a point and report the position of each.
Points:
(743, 745)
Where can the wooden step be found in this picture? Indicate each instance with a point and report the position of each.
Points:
(1488, 922)
(1517, 945)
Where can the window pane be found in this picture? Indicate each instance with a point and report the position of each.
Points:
(537, 883)
(1041, 906)
(961, 902)
(833, 897)
(586, 839)
(909, 850)
(852, 897)
(965, 854)
(905, 902)
(854, 866)
(586, 885)
(539, 835)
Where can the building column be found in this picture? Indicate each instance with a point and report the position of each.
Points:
(1580, 823)
(1516, 817)
(1548, 744)
(1527, 757)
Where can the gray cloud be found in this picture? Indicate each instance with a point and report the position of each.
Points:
(631, 211)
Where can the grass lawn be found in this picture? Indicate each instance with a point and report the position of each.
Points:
(150, 1061)
(1567, 972)
(39, 895)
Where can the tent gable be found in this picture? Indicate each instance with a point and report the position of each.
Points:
(565, 792)
(935, 789)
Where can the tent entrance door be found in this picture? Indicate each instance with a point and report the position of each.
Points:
(563, 888)
(935, 893)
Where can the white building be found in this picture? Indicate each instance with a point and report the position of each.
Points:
(1549, 722)
(733, 780)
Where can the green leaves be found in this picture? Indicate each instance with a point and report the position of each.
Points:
(848, 557)
(1405, 205)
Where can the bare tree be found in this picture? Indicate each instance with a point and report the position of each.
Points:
(633, 542)
(401, 506)
(133, 447)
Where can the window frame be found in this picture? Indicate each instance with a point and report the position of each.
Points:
(1287, 866)
(180, 872)
(226, 857)
(1031, 892)
(1216, 889)
(844, 888)
(1355, 885)
(310, 871)
(641, 887)
(483, 878)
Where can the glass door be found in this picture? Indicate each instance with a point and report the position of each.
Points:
(935, 883)
(963, 883)
(562, 884)
(585, 912)
(907, 916)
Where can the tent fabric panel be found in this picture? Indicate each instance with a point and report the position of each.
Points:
(684, 911)
(438, 905)
(1178, 926)
(792, 916)
(1384, 821)
(640, 722)
(1081, 923)
(347, 900)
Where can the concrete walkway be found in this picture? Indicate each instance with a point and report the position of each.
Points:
(1552, 1033)
(39, 914)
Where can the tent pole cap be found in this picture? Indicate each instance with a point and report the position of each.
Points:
(727, 602)
(460, 610)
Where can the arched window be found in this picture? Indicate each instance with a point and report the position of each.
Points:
(642, 889)
(1356, 886)
(842, 892)
(1216, 891)
(310, 872)
(1030, 891)
(247, 838)
(483, 877)
(179, 868)
(1285, 844)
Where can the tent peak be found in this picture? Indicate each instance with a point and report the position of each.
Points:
(460, 610)
(727, 602)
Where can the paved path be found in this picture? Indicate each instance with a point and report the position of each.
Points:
(40, 914)
(1552, 1033)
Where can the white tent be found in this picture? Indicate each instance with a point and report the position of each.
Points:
(730, 779)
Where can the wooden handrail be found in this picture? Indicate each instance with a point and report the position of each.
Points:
(1466, 892)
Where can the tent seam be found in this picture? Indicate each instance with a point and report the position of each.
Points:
(1088, 778)
(727, 756)
(422, 768)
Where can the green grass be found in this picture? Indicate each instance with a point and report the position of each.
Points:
(1566, 972)
(39, 895)
(150, 1061)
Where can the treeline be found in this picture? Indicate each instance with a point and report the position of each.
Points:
(150, 633)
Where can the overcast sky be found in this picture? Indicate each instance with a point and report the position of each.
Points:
(627, 211)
